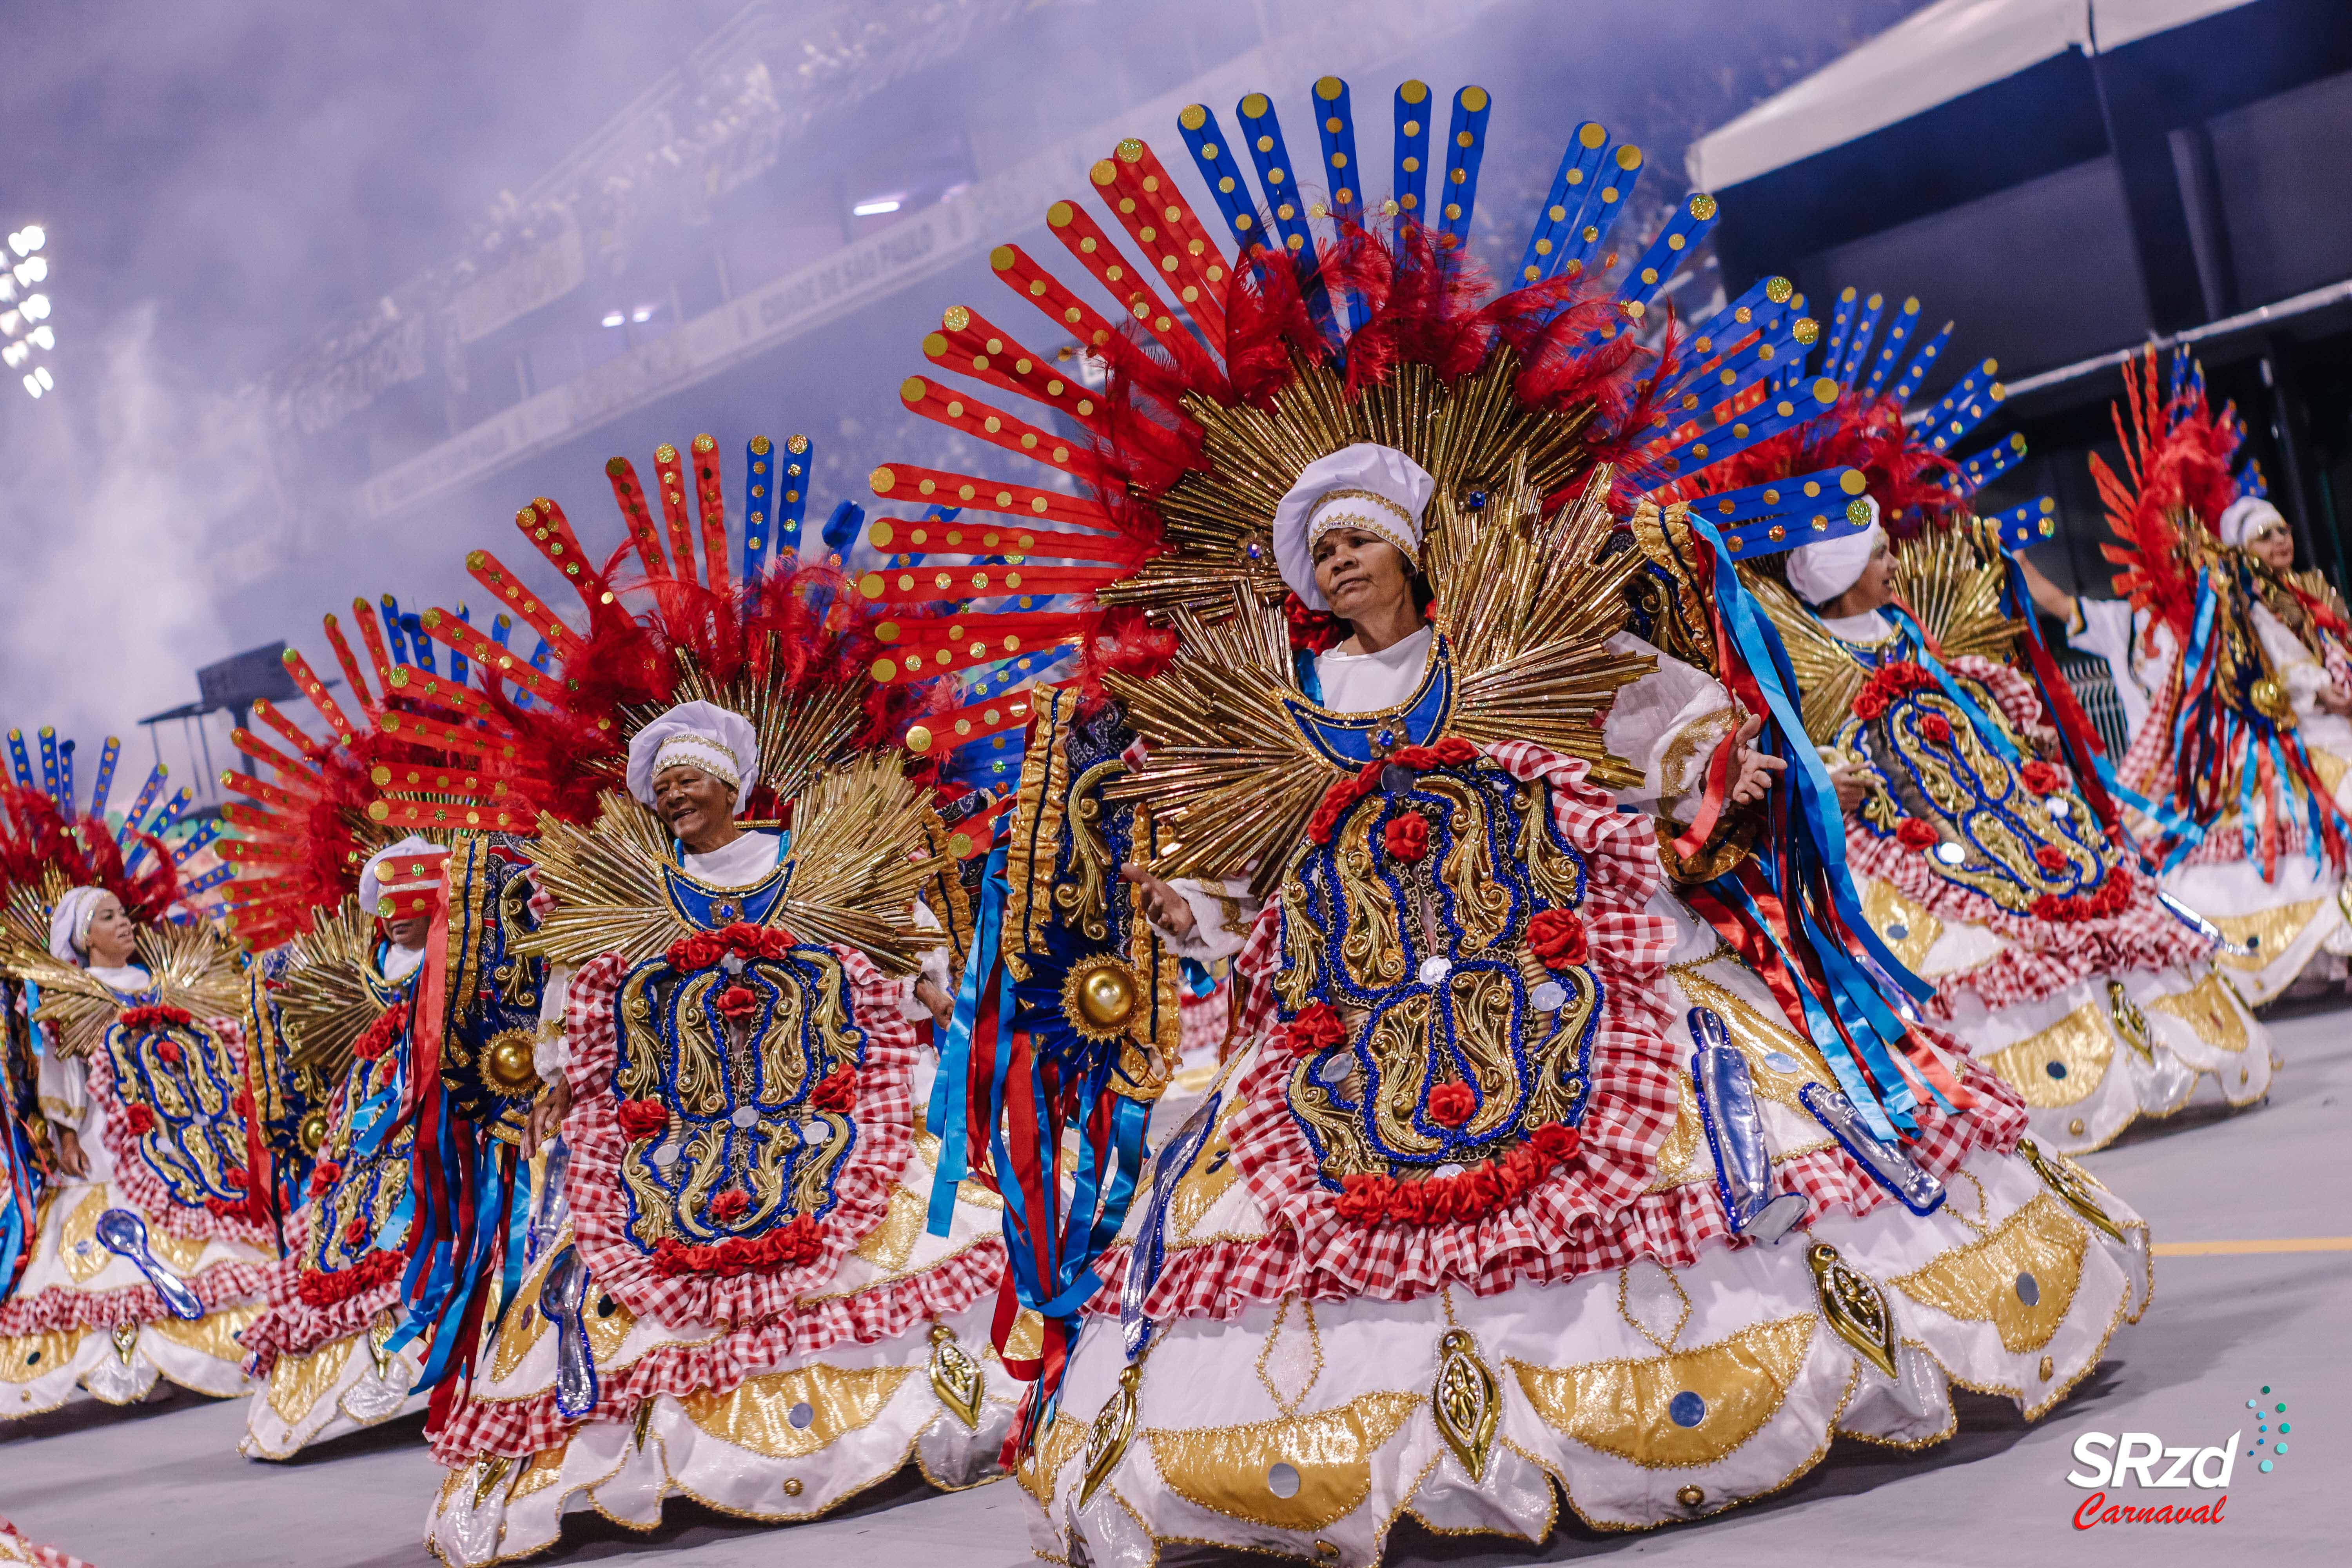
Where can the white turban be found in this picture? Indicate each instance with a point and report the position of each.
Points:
(1819, 573)
(2245, 517)
(1376, 489)
(69, 924)
(372, 884)
(699, 735)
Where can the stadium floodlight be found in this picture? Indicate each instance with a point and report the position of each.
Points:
(37, 306)
(22, 314)
(875, 206)
(16, 354)
(32, 270)
(29, 239)
(42, 338)
(615, 319)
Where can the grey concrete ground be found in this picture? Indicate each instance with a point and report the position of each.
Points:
(161, 1486)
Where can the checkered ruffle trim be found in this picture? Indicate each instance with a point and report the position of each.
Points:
(291, 1326)
(523, 1426)
(232, 1283)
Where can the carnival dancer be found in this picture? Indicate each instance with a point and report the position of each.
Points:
(155, 1236)
(2243, 758)
(1419, 1248)
(743, 1305)
(347, 1000)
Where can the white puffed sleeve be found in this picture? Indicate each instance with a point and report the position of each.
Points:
(547, 1052)
(63, 1086)
(935, 969)
(1668, 724)
(2305, 676)
(1222, 913)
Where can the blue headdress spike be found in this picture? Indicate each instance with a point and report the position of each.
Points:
(841, 528)
(1899, 333)
(502, 633)
(18, 763)
(2179, 375)
(1788, 411)
(1277, 176)
(1693, 222)
(1841, 319)
(1907, 386)
(791, 496)
(103, 785)
(165, 814)
(1812, 509)
(1716, 376)
(190, 846)
(2028, 522)
(459, 667)
(146, 797)
(1409, 180)
(49, 783)
(395, 638)
(1857, 347)
(1547, 242)
(420, 646)
(1465, 147)
(1335, 123)
(207, 882)
(1779, 501)
(1735, 322)
(1604, 201)
(1213, 156)
(2251, 482)
(66, 791)
(1964, 408)
(541, 656)
(1992, 462)
(759, 506)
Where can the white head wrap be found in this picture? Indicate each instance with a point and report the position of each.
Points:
(1819, 573)
(697, 734)
(372, 884)
(1376, 489)
(2245, 517)
(69, 924)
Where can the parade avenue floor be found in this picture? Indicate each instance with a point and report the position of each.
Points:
(2253, 1302)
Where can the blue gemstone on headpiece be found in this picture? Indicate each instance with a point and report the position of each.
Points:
(1475, 501)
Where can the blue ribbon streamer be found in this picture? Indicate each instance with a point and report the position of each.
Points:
(951, 1086)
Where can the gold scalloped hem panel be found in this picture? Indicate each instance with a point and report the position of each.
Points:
(1745, 1393)
(122, 1366)
(783, 1448)
(345, 1385)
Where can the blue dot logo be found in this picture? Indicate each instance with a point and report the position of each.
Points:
(2263, 1437)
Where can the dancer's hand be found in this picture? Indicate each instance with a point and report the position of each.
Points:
(1167, 907)
(1847, 780)
(70, 1158)
(547, 1114)
(941, 1005)
(2336, 701)
(1756, 767)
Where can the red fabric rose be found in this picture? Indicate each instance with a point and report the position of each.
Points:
(1341, 795)
(356, 1232)
(323, 1175)
(379, 1035)
(730, 1204)
(168, 1052)
(1314, 631)
(775, 942)
(837, 1092)
(2050, 857)
(153, 1016)
(1450, 1104)
(737, 1003)
(1935, 727)
(1914, 833)
(643, 1118)
(1868, 704)
(1455, 752)
(1315, 1028)
(1375, 1199)
(2040, 777)
(140, 1119)
(1406, 837)
(1557, 937)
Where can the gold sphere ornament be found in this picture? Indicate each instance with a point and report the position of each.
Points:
(312, 1132)
(507, 1065)
(2271, 700)
(1100, 997)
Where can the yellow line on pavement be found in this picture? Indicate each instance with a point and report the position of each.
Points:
(2239, 1249)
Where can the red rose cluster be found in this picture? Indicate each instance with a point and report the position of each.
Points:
(1474, 1193)
(168, 1052)
(781, 1248)
(730, 1206)
(380, 1036)
(704, 949)
(250, 1204)
(1315, 1028)
(1450, 1104)
(836, 1091)
(319, 1288)
(155, 1016)
(737, 1003)
(357, 1231)
(2040, 778)
(1891, 682)
(324, 1174)
(1936, 728)
(1406, 837)
(644, 1119)
(1557, 937)
(140, 1119)
(1452, 752)
(1914, 834)
(2111, 897)
(2050, 858)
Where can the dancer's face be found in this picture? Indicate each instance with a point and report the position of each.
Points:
(409, 931)
(2273, 545)
(112, 937)
(1360, 574)
(699, 807)
(1874, 590)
